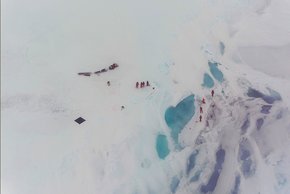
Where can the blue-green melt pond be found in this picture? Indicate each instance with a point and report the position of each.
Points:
(177, 117)
(207, 81)
(162, 146)
(216, 73)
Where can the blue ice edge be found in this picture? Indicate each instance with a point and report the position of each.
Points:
(270, 99)
(207, 81)
(216, 73)
(177, 117)
(162, 146)
(259, 123)
(247, 164)
(212, 182)
(191, 161)
(196, 176)
(245, 125)
(237, 184)
(174, 184)
(266, 109)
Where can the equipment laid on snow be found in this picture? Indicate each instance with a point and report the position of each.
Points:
(85, 73)
(104, 70)
(111, 67)
(115, 65)
(80, 120)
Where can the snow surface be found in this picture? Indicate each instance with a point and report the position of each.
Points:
(241, 145)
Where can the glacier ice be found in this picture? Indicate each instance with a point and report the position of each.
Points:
(185, 50)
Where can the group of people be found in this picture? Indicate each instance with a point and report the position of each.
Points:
(200, 108)
(142, 84)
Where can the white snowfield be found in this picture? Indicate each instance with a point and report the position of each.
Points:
(241, 145)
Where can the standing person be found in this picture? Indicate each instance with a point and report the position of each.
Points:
(203, 101)
(108, 83)
(147, 83)
(137, 84)
(212, 93)
(200, 110)
(200, 117)
(143, 84)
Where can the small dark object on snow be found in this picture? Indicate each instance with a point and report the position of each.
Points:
(115, 65)
(108, 83)
(97, 72)
(122, 107)
(104, 70)
(80, 120)
(147, 83)
(85, 73)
